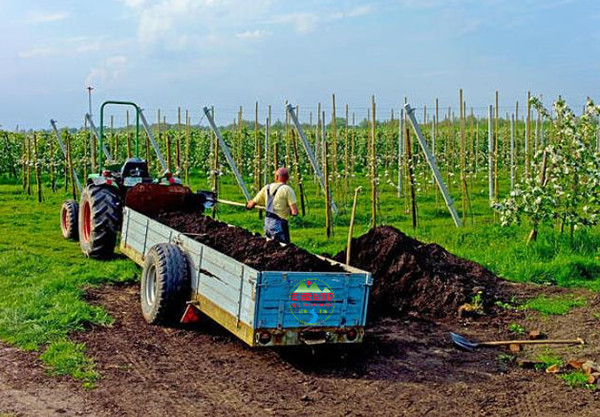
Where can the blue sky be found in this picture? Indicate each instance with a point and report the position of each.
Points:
(166, 53)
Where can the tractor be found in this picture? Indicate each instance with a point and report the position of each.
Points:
(96, 220)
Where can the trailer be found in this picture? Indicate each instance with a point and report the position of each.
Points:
(263, 308)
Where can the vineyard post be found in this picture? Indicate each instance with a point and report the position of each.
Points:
(24, 163)
(116, 140)
(128, 134)
(178, 140)
(276, 152)
(491, 155)
(85, 149)
(38, 177)
(215, 165)
(411, 176)
(527, 134)
(346, 156)
(168, 139)
(401, 121)
(496, 145)
(51, 167)
(267, 134)
(258, 160)
(512, 152)
(462, 157)
(351, 226)
(318, 152)
(328, 227)
(70, 165)
(188, 138)
(333, 151)
(373, 165)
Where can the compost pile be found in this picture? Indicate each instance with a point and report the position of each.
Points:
(411, 277)
(245, 246)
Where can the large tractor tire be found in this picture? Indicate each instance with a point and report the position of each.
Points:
(69, 214)
(99, 221)
(165, 285)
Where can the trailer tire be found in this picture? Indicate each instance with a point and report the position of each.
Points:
(99, 221)
(69, 215)
(165, 284)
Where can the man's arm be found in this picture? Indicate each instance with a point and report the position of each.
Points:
(294, 209)
(257, 199)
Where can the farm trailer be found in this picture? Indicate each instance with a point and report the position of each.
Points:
(262, 308)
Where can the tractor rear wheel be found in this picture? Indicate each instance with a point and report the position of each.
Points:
(165, 285)
(99, 221)
(69, 214)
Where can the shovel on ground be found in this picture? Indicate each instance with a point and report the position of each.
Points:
(469, 345)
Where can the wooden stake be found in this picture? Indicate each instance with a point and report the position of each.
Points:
(70, 165)
(38, 177)
(187, 146)
(373, 167)
(215, 166)
(52, 173)
(178, 140)
(411, 175)
(328, 228)
(351, 228)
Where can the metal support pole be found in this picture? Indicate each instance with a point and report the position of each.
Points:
(432, 164)
(95, 132)
(228, 156)
(148, 130)
(309, 152)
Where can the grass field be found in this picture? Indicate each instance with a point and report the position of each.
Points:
(44, 276)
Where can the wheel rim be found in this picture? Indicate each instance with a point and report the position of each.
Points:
(87, 226)
(150, 292)
(64, 221)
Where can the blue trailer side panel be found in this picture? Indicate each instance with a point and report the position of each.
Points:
(300, 299)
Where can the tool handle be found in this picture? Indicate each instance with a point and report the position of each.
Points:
(578, 341)
(235, 203)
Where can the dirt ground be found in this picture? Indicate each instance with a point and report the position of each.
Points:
(405, 367)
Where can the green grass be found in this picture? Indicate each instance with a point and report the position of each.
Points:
(41, 286)
(558, 305)
(68, 358)
(43, 280)
(577, 379)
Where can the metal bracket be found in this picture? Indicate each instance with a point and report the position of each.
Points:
(228, 157)
(310, 153)
(431, 161)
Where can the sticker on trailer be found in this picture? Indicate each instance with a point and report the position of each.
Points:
(312, 302)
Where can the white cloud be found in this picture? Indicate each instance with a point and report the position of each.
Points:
(38, 52)
(253, 34)
(109, 70)
(46, 17)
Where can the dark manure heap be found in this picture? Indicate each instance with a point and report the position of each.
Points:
(245, 246)
(425, 280)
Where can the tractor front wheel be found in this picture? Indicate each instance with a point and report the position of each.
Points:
(99, 221)
(69, 214)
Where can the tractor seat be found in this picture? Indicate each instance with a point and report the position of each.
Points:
(135, 167)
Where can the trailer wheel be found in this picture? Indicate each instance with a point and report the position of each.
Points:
(69, 214)
(99, 221)
(165, 285)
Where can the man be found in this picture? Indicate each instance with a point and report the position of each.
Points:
(280, 202)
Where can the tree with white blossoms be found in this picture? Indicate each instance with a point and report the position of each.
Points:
(565, 186)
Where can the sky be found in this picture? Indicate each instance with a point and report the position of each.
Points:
(168, 53)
